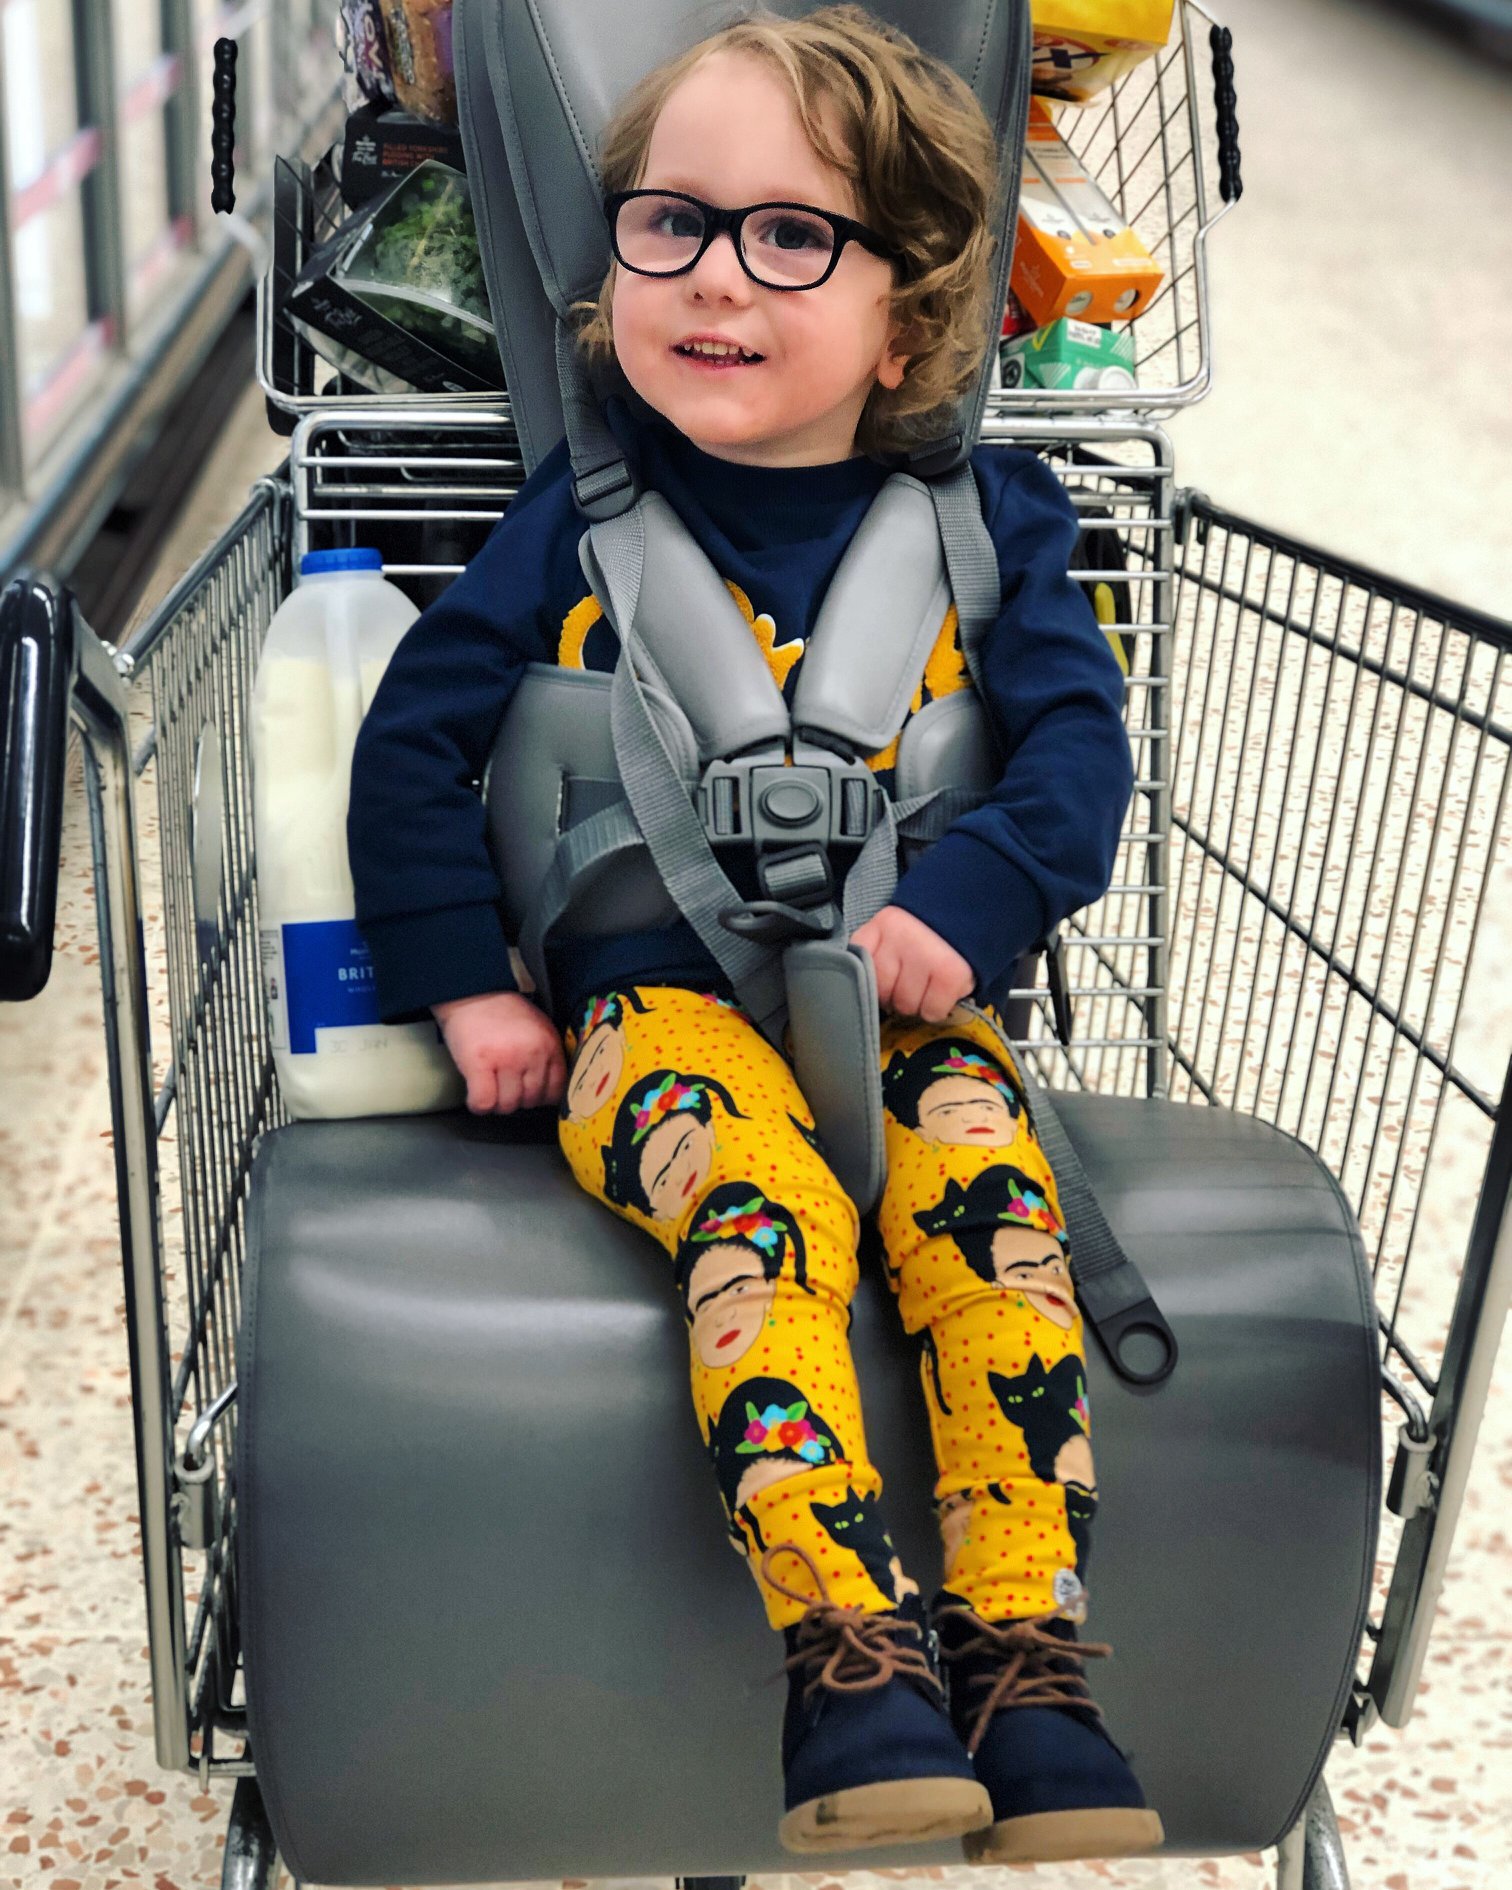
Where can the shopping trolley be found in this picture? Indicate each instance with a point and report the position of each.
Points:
(1321, 758)
(1326, 773)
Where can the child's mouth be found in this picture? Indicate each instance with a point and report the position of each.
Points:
(716, 361)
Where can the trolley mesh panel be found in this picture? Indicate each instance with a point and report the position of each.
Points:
(1341, 747)
(213, 1071)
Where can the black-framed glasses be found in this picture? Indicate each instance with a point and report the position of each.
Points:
(780, 245)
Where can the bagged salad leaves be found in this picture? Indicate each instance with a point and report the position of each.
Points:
(396, 300)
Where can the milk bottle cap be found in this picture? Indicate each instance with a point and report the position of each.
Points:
(313, 563)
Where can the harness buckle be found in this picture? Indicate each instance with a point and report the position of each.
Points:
(758, 800)
(792, 816)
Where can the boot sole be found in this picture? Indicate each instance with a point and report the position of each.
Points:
(1062, 1837)
(896, 1811)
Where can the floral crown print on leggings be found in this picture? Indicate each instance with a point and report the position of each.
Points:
(1011, 1236)
(600, 1059)
(727, 1265)
(951, 1091)
(765, 1432)
(662, 1147)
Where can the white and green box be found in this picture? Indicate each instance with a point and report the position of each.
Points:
(1070, 354)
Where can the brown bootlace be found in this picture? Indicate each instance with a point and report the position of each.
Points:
(1026, 1677)
(854, 1652)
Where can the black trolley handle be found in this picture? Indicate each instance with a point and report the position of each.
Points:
(223, 128)
(39, 639)
(1226, 106)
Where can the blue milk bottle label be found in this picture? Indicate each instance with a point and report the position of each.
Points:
(317, 975)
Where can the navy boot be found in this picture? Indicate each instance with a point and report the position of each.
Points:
(869, 1755)
(1060, 1788)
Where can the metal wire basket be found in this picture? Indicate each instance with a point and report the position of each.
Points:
(1163, 144)
(307, 209)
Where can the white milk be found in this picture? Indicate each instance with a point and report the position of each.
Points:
(326, 649)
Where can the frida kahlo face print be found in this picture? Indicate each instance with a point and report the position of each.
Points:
(766, 1431)
(951, 1092)
(1009, 1235)
(600, 1059)
(727, 1268)
(662, 1148)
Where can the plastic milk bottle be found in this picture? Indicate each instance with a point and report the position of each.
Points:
(326, 648)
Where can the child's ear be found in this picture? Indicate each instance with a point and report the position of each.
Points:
(900, 345)
(896, 353)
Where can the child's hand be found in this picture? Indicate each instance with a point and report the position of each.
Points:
(918, 974)
(507, 1049)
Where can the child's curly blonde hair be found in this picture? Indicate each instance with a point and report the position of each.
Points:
(922, 159)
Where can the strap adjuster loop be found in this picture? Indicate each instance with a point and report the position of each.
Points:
(605, 491)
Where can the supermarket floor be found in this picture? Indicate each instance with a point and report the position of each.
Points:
(1352, 406)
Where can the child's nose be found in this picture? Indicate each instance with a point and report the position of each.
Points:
(718, 271)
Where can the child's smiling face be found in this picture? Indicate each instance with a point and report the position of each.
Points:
(730, 134)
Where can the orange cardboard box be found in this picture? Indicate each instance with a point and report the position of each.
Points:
(1083, 46)
(1075, 255)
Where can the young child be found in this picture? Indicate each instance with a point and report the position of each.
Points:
(771, 360)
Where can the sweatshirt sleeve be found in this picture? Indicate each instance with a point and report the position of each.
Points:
(427, 891)
(1043, 843)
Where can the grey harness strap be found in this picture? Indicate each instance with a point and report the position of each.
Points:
(874, 634)
(790, 785)
(668, 821)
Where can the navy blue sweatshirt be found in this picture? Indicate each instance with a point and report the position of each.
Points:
(1037, 850)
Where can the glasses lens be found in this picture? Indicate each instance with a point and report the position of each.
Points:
(788, 248)
(658, 235)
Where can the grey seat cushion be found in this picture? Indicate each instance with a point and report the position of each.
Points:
(492, 1626)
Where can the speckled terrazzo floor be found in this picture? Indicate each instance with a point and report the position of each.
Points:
(82, 1803)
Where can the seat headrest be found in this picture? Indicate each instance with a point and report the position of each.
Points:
(537, 81)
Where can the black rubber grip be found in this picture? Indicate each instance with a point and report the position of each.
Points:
(223, 127)
(1226, 104)
(37, 654)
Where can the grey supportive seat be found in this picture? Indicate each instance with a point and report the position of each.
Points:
(492, 1625)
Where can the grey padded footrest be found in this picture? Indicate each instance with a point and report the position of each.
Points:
(492, 1625)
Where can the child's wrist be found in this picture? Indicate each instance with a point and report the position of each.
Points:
(449, 1007)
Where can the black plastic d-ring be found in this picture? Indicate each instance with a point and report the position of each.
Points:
(1140, 1344)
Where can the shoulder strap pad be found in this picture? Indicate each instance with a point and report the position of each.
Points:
(690, 637)
(878, 622)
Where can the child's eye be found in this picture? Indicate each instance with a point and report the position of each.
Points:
(790, 231)
(678, 222)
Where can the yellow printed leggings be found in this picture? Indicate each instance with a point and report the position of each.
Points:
(683, 1118)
